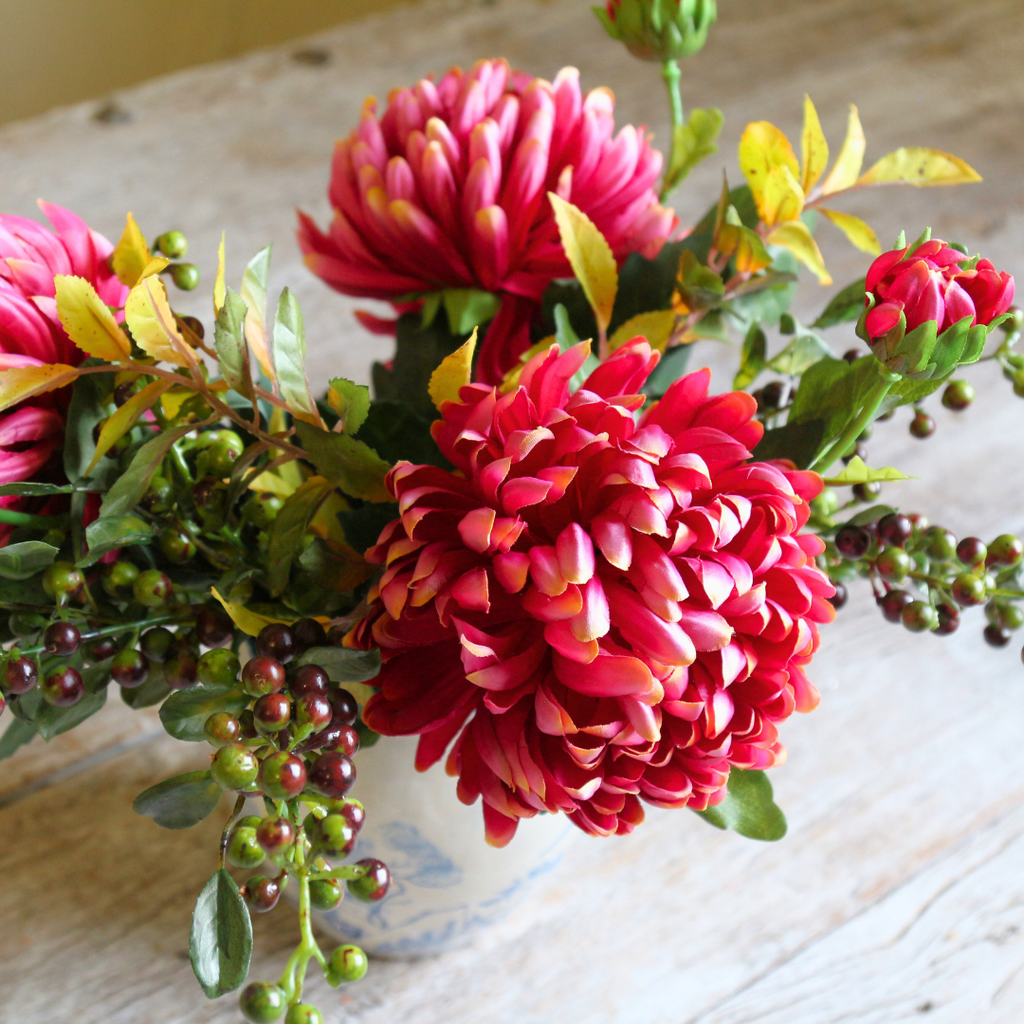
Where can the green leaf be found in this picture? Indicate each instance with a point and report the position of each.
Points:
(362, 526)
(253, 292)
(185, 712)
(800, 354)
(844, 307)
(129, 488)
(856, 472)
(90, 399)
(752, 356)
(870, 515)
(395, 432)
(27, 706)
(419, 351)
(290, 358)
(151, 692)
(748, 808)
(350, 465)
(344, 665)
(694, 141)
(32, 489)
(699, 286)
(110, 532)
(351, 402)
(288, 531)
(180, 802)
(220, 945)
(232, 350)
(15, 736)
(20, 561)
(468, 308)
(52, 721)
(799, 442)
(767, 304)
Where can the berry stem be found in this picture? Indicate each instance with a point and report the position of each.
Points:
(225, 836)
(117, 630)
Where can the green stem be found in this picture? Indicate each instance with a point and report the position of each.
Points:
(121, 627)
(25, 519)
(670, 73)
(853, 430)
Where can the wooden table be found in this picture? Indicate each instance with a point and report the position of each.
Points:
(898, 894)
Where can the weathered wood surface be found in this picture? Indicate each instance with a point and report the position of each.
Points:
(898, 893)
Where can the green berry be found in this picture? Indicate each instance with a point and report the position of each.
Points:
(152, 588)
(1005, 550)
(156, 643)
(347, 964)
(335, 835)
(172, 244)
(219, 667)
(968, 589)
(958, 395)
(867, 492)
(940, 544)
(177, 545)
(130, 668)
(262, 1002)
(282, 775)
(261, 509)
(1014, 321)
(893, 564)
(971, 551)
(826, 503)
(117, 579)
(234, 767)
(160, 496)
(920, 617)
(61, 580)
(185, 276)
(325, 893)
(1009, 616)
(222, 728)
(303, 1013)
(243, 849)
(922, 425)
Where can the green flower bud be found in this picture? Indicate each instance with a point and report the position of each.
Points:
(659, 30)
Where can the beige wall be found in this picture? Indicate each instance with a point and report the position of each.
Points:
(54, 52)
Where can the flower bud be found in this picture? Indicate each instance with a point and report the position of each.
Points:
(659, 29)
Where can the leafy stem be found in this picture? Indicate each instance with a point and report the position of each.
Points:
(670, 73)
(856, 427)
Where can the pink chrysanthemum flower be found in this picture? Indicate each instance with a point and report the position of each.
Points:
(602, 612)
(31, 335)
(448, 189)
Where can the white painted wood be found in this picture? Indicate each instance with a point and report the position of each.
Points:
(901, 790)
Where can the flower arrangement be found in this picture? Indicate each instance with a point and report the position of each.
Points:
(544, 544)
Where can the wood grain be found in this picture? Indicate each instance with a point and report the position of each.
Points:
(897, 893)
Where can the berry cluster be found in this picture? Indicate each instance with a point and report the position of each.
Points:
(923, 576)
(291, 745)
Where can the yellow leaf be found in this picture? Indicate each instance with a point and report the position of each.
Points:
(859, 473)
(21, 382)
(917, 165)
(130, 257)
(253, 292)
(151, 322)
(851, 157)
(125, 418)
(655, 326)
(855, 230)
(590, 256)
(763, 147)
(280, 481)
(247, 621)
(814, 147)
(453, 373)
(797, 238)
(88, 321)
(783, 198)
(219, 287)
(155, 266)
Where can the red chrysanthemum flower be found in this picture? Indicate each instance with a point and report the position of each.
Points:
(602, 612)
(449, 190)
(31, 335)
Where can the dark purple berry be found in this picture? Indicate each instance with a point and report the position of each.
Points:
(332, 775)
(20, 675)
(997, 636)
(866, 492)
(62, 687)
(971, 551)
(895, 529)
(345, 708)
(130, 668)
(61, 639)
(262, 675)
(837, 600)
(272, 712)
(311, 709)
(308, 633)
(336, 637)
(851, 355)
(922, 425)
(354, 814)
(282, 775)
(851, 542)
(893, 603)
(949, 619)
(342, 739)
(275, 835)
(181, 670)
(213, 626)
(262, 895)
(276, 641)
(373, 886)
(309, 679)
